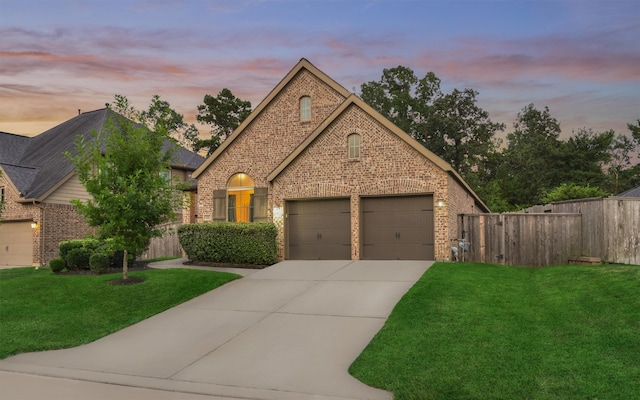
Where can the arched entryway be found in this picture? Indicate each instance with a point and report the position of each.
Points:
(240, 191)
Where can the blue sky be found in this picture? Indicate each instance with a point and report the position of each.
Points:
(581, 58)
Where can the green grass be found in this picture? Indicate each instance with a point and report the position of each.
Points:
(43, 311)
(474, 331)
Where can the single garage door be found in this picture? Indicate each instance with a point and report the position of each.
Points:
(16, 243)
(397, 228)
(319, 229)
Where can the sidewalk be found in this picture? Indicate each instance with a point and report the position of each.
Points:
(289, 331)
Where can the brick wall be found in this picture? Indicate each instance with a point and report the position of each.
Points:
(387, 165)
(61, 222)
(273, 135)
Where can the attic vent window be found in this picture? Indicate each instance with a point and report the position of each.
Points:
(305, 108)
(354, 146)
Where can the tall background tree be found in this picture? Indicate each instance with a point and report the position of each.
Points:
(161, 117)
(123, 167)
(451, 125)
(224, 112)
(535, 165)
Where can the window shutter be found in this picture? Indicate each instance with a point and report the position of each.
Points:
(260, 204)
(219, 205)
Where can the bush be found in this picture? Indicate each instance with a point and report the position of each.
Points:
(230, 242)
(78, 259)
(65, 247)
(57, 265)
(99, 262)
(77, 253)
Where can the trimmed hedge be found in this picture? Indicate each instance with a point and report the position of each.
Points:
(230, 242)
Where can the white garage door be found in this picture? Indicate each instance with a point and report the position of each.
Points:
(16, 243)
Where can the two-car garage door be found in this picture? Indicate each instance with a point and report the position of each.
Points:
(391, 228)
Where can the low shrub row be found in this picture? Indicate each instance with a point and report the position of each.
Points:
(86, 254)
(230, 242)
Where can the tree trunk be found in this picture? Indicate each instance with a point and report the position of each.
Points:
(125, 265)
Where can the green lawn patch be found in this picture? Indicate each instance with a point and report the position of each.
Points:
(475, 331)
(43, 311)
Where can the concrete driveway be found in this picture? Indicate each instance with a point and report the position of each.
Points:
(289, 331)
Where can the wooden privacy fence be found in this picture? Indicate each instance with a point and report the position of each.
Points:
(606, 228)
(165, 246)
(522, 239)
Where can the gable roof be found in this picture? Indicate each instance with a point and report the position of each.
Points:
(356, 101)
(633, 192)
(37, 165)
(303, 64)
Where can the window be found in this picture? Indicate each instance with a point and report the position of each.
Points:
(240, 198)
(305, 108)
(354, 146)
(1, 195)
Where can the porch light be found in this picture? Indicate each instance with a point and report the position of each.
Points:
(277, 212)
(440, 202)
(34, 225)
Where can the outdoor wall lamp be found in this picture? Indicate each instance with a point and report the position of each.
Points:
(277, 212)
(34, 225)
(440, 202)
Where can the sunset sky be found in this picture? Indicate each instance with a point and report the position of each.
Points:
(579, 57)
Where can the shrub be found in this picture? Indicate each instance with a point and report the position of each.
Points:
(99, 262)
(57, 265)
(68, 245)
(78, 259)
(230, 242)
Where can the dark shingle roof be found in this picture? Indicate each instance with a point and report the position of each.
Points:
(634, 192)
(36, 164)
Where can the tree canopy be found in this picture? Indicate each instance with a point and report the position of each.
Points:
(224, 112)
(451, 125)
(534, 166)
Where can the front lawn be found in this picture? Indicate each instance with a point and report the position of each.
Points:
(475, 331)
(43, 311)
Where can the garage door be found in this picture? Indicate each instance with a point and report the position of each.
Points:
(397, 228)
(16, 243)
(319, 229)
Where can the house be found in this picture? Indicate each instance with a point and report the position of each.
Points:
(38, 182)
(338, 179)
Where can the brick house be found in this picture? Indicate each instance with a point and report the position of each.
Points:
(338, 179)
(38, 182)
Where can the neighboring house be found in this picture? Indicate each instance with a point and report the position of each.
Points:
(338, 179)
(38, 182)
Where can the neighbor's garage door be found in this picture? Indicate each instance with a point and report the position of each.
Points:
(16, 243)
(397, 228)
(319, 229)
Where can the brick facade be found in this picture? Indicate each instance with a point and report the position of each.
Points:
(275, 133)
(305, 160)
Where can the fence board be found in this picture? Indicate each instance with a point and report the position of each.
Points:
(622, 230)
(606, 228)
(165, 246)
(523, 239)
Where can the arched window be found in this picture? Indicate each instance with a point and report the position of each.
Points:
(240, 198)
(305, 108)
(354, 146)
